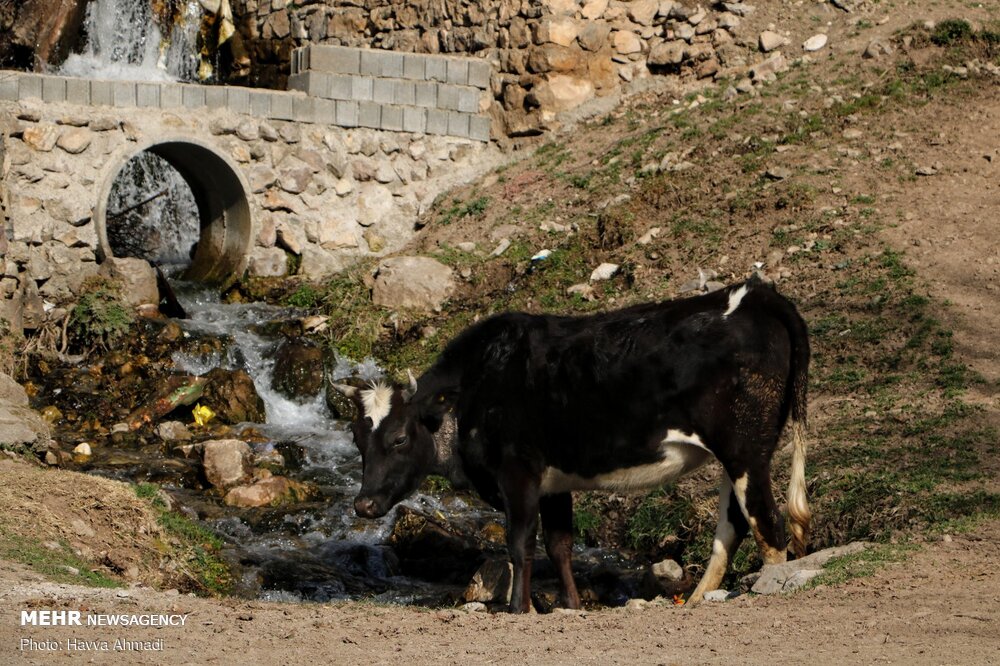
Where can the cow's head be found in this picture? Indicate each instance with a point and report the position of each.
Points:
(397, 447)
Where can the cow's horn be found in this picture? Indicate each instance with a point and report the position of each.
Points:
(346, 389)
(413, 380)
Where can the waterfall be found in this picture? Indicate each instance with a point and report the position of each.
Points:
(124, 42)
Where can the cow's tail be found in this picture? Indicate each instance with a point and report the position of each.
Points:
(799, 514)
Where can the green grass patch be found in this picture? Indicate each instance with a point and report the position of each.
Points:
(862, 564)
(58, 562)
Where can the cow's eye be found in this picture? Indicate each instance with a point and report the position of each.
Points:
(399, 442)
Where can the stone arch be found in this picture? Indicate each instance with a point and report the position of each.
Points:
(221, 193)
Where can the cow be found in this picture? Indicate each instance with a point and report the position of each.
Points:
(543, 405)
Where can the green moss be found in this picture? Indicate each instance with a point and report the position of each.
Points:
(101, 318)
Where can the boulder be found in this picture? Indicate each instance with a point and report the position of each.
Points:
(232, 396)
(785, 577)
(320, 264)
(268, 262)
(298, 369)
(561, 92)
(19, 424)
(492, 582)
(418, 283)
(270, 491)
(226, 462)
(626, 42)
(667, 53)
(137, 277)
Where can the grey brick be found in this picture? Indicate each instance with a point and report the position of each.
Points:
(333, 59)
(427, 94)
(448, 97)
(479, 74)
(171, 96)
(392, 118)
(8, 87)
(281, 106)
(414, 119)
(458, 71)
(239, 100)
(458, 124)
(479, 128)
(302, 109)
(370, 115)
(260, 104)
(101, 93)
(370, 62)
(29, 85)
(325, 112)
(123, 93)
(404, 92)
(54, 89)
(298, 57)
(347, 113)
(147, 95)
(216, 97)
(383, 91)
(436, 69)
(361, 88)
(392, 65)
(413, 66)
(300, 81)
(468, 100)
(437, 121)
(339, 86)
(194, 96)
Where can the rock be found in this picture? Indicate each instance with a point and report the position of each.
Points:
(226, 462)
(418, 283)
(474, 607)
(773, 65)
(877, 47)
(270, 491)
(83, 449)
(773, 577)
(926, 170)
(557, 30)
(593, 9)
(667, 53)
(268, 262)
(21, 425)
(248, 130)
(778, 173)
(604, 272)
(770, 40)
(643, 11)
(374, 204)
(584, 291)
(814, 43)
(626, 42)
(291, 236)
(852, 134)
(433, 548)
(232, 396)
(501, 247)
(261, 177)
(173, 431)
(298, 369)
(137, 277)
(561, 92)
(320, 264)
(669, 570)
(376, 242)
(11, 392)
(491, 583)
(76, 140)
(717, 595)
(41, 137)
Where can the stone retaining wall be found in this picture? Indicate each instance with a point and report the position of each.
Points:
(549, 55)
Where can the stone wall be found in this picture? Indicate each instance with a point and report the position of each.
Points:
(325, 195)
(550, 55)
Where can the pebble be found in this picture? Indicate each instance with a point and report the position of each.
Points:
(814, 43)
(83, 449)
(717, 595)
(474, 607)
(501, 247)
(778, 173)
(604, 272)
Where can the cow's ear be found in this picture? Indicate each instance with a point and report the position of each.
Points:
(344, 398)
(439, 404)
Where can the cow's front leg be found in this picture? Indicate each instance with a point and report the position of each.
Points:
(557, 526)
(520, 494)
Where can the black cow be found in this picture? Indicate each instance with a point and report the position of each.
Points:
(623, 400)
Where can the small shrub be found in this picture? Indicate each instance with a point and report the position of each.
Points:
(950, 31)
(100, 318)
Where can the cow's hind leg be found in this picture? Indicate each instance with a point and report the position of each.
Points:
(557, 526)
(521, 497)
(752, 490)
(729, 533)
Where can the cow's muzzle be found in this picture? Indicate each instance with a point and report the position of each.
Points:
(367, 507)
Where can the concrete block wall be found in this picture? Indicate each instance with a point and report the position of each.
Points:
(393, 105)
(393, 91)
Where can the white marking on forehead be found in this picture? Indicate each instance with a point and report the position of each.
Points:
(377, 401)
(734, 300)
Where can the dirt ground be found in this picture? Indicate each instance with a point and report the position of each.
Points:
(940, 606)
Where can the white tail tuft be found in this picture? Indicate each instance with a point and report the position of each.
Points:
(799, 514)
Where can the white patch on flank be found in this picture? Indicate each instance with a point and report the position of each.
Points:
(681, 453)
(734, 300)
(377, 401)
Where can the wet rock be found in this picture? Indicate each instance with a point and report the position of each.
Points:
(226, 462)
(271, 491)
(491, 583)
(232, 396)
(418, 283)
(433, 549)
(173, 431)
(298, 369)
